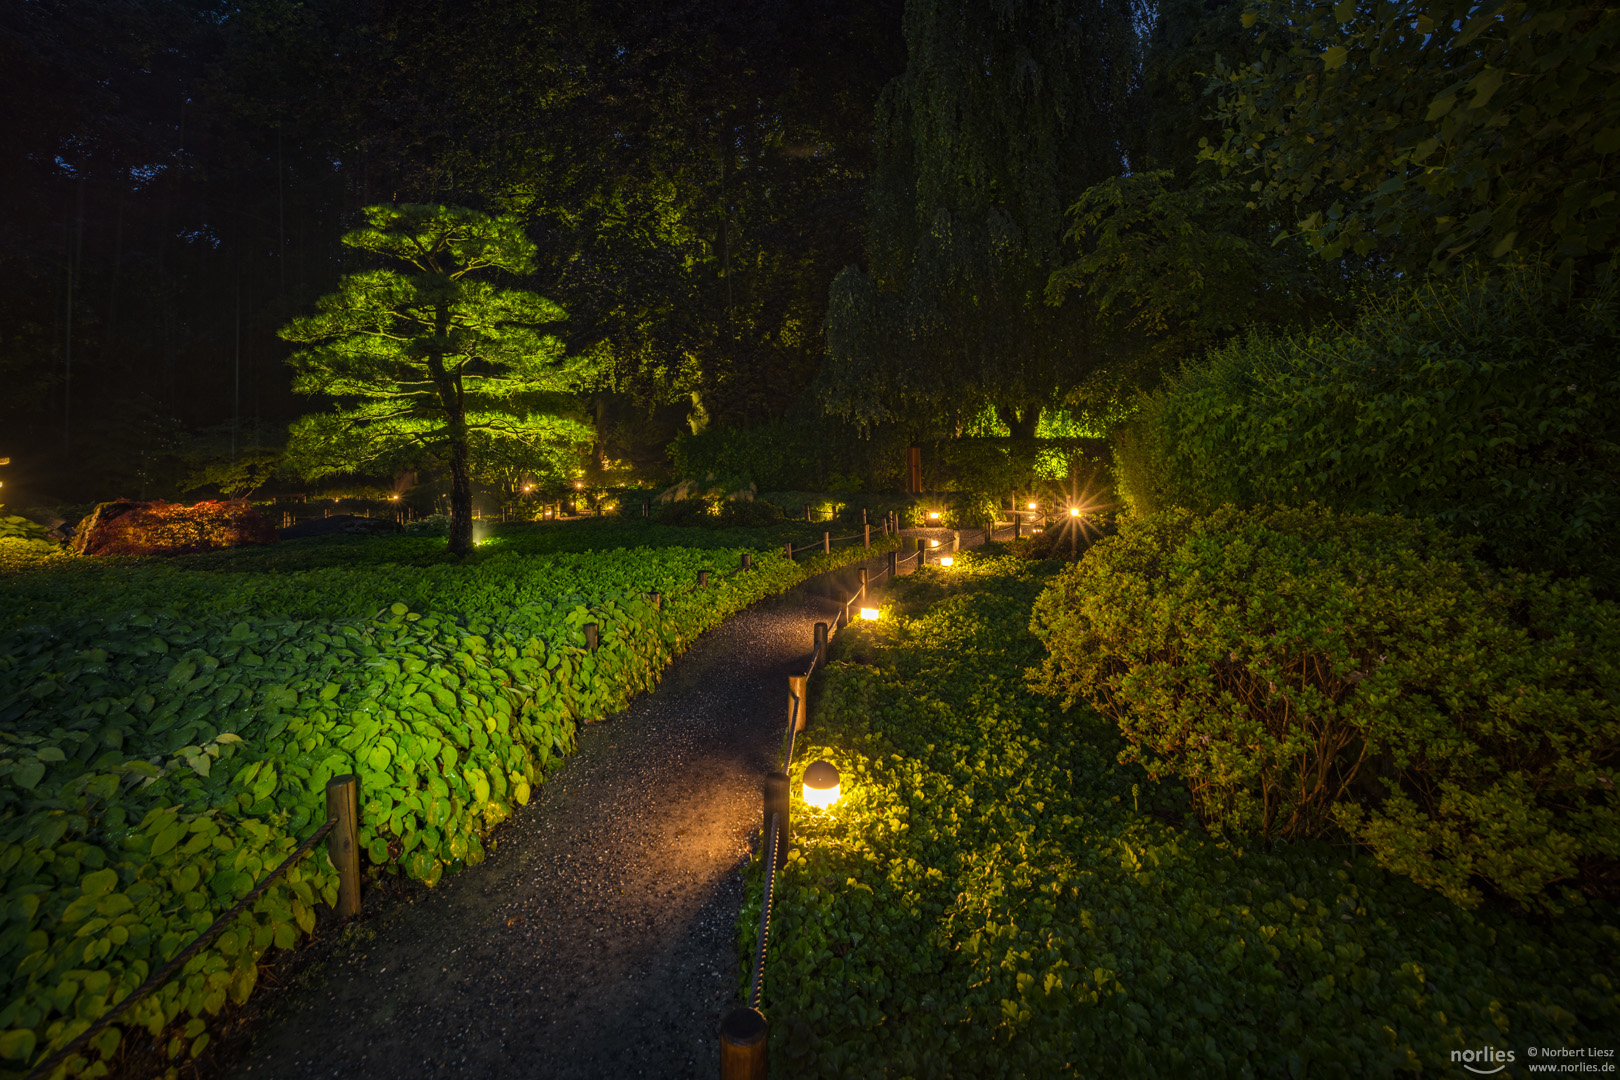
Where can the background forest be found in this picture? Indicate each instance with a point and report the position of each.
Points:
(761, 224)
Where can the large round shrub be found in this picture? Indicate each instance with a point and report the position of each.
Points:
(1303, 670)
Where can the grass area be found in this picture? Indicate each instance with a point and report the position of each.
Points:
(995, 896)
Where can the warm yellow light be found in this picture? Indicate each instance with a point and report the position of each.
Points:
(869, 613)
(1074, 511)
(393, 496)
(1032, 506)
(820, 785)
(578, 484)
(946, 560)
(934, 515)
(933, 543)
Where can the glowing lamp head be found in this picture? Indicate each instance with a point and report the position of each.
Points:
(820, 785)
(1074, 511)
(1032, 506)
(946, 560)
(578, 484)
(933, 515)
(870, 614)
(933, 543)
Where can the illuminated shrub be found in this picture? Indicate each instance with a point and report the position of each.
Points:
(1302, 670)
(161, 528)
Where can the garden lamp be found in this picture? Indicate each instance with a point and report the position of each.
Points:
(870, 614)
(820, 785)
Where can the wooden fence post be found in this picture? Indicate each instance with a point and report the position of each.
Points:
(894, 564)
(787, 549)
(821, 642)
(1018, 526)
(343, 842)
(798, 691)
(657, 599)
(863, 585)
(743, 1036)
(826, 543)
(868, 540)
(747, 561)
(807, 511)
(591, 638)
(703, 579)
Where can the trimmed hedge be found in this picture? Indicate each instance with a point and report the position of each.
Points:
(1491, 405)
(1304, 671)
(161, 528)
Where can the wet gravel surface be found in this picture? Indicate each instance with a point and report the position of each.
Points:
(596, 940)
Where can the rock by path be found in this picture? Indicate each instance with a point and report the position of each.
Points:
(597, 938)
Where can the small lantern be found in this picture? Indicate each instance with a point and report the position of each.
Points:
(1074, 511)
(933, 515)
(820, 785)
(870, 614)
(1032, 506)
(946, 560)
(933, 543)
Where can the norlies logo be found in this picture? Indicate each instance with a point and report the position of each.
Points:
(1486, 1061)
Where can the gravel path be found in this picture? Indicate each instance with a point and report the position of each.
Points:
(596, 940)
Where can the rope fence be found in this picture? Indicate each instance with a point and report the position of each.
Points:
(342, 811)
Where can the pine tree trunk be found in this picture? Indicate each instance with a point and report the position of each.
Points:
(460, 495)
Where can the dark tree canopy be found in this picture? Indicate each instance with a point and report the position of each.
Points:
(1006, 112)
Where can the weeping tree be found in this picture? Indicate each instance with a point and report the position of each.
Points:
(1006, 112)
(428, 356)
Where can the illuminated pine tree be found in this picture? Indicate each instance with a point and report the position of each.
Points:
(429, 356)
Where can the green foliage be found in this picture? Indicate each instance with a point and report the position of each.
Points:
(1491, 406)
(1004, 115)
(432, 360)
(1432, 131)
(1301, 669)
(1176, 266)
(994, 896)
(157, 759)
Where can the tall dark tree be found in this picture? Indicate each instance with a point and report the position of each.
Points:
(1006, 112)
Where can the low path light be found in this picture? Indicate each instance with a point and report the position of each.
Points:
(946, 560)
(1074, 511)
(870, 614)
(820, 785)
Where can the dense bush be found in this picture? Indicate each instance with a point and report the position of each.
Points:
(1491, 406)
(996, 897)
(1303, 670)
(160, 528)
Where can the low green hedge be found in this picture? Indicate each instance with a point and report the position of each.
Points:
(995, 896)
(1304, 671)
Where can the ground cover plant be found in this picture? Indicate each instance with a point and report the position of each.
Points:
(167, 741)
(996, 896)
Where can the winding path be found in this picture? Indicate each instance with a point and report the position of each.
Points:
(597, 939)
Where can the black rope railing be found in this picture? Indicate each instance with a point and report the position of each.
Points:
(167, 971)
(757, 987)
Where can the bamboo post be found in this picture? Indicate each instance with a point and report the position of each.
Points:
(743, 1035)
(776, 802)
(343, 842)
(590, 636)
(826, 543)
(798, 692)
(868, 530)
(863, 516)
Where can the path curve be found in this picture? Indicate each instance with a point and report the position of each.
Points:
(597, 939)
